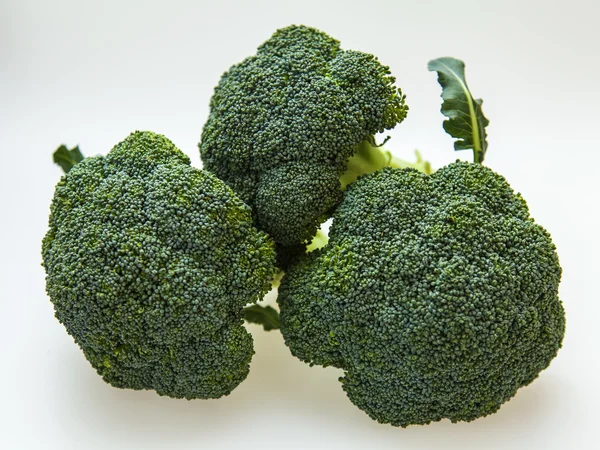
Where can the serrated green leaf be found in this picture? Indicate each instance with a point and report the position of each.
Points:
(66, 158)
(266, 316)
(466, 121)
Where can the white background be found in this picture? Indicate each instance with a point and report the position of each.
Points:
(91, 72)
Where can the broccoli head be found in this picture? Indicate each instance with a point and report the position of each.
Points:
(149, 265)
(284, 123)
(437, 295)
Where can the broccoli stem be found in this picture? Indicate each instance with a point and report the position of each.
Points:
(319, 241)
(371, 157)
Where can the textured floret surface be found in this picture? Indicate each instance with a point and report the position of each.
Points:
(149, 263)
(437, 295)
(284, 122)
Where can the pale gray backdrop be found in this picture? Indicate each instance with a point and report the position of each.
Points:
(90, 72)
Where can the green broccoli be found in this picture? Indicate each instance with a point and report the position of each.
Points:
(437, 294)
(284, 124)
(149, 265)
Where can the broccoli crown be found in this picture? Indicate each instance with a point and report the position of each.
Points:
(149, 263)
(436, 294)
(283, 124)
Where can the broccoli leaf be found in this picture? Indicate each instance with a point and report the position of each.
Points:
(466, 121)
(66, 158)
(267, 316)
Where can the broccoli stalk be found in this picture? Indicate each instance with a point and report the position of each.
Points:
(371, 157)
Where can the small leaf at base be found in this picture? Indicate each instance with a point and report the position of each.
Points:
(267, 316)
(66, 158)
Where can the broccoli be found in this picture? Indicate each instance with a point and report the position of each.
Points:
(149, 265)
(436, 294)
(284, 124)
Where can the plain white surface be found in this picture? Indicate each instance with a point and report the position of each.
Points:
(91, 72)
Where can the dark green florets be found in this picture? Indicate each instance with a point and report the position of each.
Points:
(436, 294)
(284, 123)
(149, 263)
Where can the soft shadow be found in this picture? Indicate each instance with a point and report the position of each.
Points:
(280, 389)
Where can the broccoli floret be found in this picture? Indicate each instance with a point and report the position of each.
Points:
(437, 295)
(149, 265)
(284, 123)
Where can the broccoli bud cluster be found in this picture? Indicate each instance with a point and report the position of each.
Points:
(149, 263)
(284, 123)
(437, 295)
